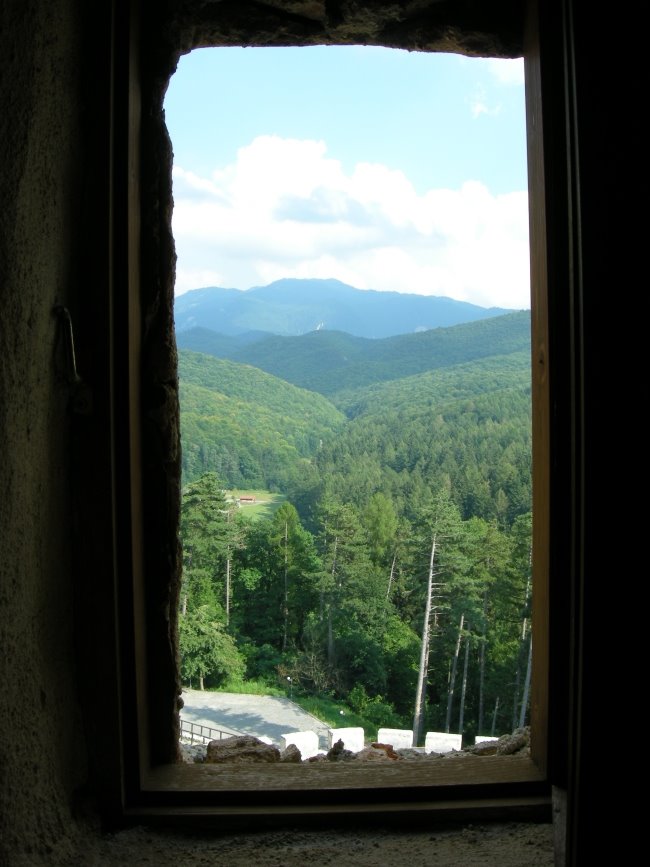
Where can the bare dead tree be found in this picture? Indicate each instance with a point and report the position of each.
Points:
(418, 717)
(494, 716)
(390, 577)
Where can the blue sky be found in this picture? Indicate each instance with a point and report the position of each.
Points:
(386, 169)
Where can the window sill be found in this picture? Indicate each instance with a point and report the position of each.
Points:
(506, 788)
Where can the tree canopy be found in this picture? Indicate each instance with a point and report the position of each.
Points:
(396, 574)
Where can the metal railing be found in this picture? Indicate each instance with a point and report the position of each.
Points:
(195, 733)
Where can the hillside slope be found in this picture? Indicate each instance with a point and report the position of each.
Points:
(331, 361)
(250, 427)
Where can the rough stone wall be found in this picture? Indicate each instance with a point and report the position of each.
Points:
(41, 740)
(481, 29)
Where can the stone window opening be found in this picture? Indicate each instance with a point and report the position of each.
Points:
(148, 479)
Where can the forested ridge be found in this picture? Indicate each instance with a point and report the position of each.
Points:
(331, 361)
(250, 427)
(399, 565)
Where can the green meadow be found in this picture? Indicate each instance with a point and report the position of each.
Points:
(263, 506)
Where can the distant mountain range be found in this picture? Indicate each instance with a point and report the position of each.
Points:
(293, 307)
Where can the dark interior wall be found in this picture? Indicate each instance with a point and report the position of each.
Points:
(42, 753)
(487, 29)
(609, 141)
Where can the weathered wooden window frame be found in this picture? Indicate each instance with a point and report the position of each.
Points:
(140, 787)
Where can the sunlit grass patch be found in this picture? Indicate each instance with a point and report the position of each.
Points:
(250, 687)
(257, 503)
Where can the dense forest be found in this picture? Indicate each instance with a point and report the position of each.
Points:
(252, 428)
(395, 573)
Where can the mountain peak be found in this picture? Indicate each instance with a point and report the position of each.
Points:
(293, 306)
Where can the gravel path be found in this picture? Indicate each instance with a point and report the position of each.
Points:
(258, 715)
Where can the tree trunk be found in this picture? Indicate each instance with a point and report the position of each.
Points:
(481, 667)
(452, 677)
(524, 700)
(330, 630)
(286, 587)
(330, 637)
(390, 577)
(228, 587)
(516, 711)
(418, 717)
(463, 691)
(494, 716)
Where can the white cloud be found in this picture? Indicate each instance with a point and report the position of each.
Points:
(287, 209)
(478, 103)
(503, 72)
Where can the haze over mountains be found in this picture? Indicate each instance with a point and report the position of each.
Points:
(292, 307)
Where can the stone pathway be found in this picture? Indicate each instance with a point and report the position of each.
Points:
(258, 715)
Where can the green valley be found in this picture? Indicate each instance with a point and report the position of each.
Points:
(402, 468)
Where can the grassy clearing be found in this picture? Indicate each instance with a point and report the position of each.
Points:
(335, 713)
(264, 505)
